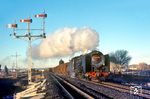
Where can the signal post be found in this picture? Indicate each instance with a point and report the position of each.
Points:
(29, 37)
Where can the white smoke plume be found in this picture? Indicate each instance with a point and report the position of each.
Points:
(66, 41)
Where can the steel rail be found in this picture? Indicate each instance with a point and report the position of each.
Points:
(121, 88)
(65, 91)
(85, 95)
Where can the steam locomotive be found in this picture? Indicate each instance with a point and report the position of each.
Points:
(93, 65)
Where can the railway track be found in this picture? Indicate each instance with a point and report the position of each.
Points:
(111, 90)
(77, 92)
(143, 93)
(122, 88)
(69, 91)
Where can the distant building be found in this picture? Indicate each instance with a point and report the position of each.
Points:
(140, 66)
(61, 62)
(115, 67)
(133, 67)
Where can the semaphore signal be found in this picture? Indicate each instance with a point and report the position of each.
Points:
(43, 15)
(12, 25)
(30, 37)
(26, 20)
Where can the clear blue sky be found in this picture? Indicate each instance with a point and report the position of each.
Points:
(121, 24)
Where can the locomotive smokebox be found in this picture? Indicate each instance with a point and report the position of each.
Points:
(97, 58)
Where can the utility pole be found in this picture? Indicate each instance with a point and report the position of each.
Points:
(16, 56)
(30, 37)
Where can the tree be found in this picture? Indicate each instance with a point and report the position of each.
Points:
(6, 70)
(121, 58)
(0, 67)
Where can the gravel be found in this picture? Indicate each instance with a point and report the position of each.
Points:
(52, 91)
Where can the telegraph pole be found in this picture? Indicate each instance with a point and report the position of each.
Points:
(30, 37)
(16, 56)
